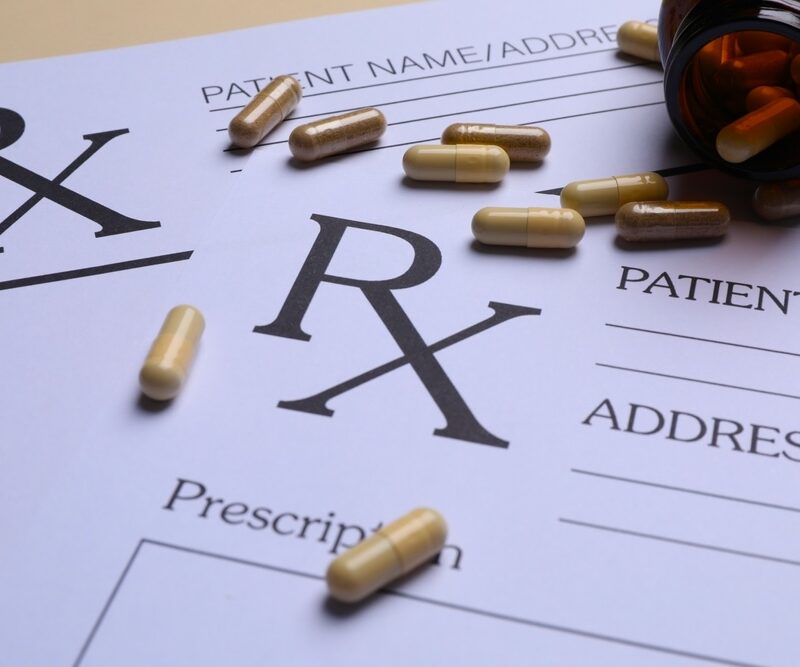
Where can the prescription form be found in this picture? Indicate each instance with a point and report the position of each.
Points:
(611, 432)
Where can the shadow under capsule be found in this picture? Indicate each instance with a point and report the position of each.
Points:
(681, 244)
(447, 185)
(146, 404)
(518, 251)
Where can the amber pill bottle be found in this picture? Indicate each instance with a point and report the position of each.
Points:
(714, 53)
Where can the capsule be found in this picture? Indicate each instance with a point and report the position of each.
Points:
(529, 227)
(753, 41)
(268, 108)
(767, 68)
(758, 130)
(603, 196)
(776, 201)
(794, 69)
(521, 143)
(461, 163)
(639, 39)
(763, 95)
(336, 134)
(672, 220)
(167, 364)
(389, 553)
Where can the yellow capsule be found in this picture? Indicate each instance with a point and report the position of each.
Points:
(758, 130)
(529, 227)
(767, 68)
(521, 143)
(461, 163)
(167, 364)
(268, 108)
(763, 95)
(336, 134)
(639, 39)
(389, 553)
(776, 201)
(603, 196)
(672, 220)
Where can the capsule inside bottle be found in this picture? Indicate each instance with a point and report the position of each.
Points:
(731, 77)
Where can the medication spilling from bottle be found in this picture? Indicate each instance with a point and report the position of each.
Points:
(717, 74)
(777, 201)
(640, 39)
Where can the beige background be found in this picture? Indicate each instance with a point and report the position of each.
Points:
(41, 28)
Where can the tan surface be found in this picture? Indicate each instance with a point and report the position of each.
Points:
(41, 28)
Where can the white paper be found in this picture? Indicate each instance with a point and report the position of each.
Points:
(575, 537)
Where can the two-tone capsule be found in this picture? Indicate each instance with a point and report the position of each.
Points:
(529, 227)
(777, 201)
(265, 111)
(758, 130)
(762, 95)
(167, 364)
(386, 555)
(336, 134)
(460, 163)
(521, 143)
(604, 196)
(639, 39)
(672, 220)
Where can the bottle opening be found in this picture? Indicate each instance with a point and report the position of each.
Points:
(739, 99)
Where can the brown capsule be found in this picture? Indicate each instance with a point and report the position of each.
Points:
(672, 220)
(522, 143)
(776, 201)
(268, 108)
(336, 134)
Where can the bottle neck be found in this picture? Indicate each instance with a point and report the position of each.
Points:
(704, 23)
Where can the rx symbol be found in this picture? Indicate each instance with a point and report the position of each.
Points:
(460, 424)
(12, 127)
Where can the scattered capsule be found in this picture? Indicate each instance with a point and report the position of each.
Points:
(529, 227)
(639, 39)
(758, 130)
(763, 95)
(167, 364)
(389, 553)
(776, 201)
(336, 134)
(767, 68)
(672, 220)
(603, 196)
(523, 144)
(268, 108)
(460, 163)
